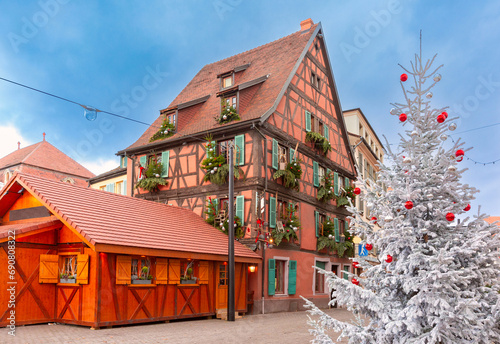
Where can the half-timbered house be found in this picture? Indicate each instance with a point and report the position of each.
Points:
(78, 255)
(278, 105)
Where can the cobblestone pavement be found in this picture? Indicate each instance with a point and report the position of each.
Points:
(289, 328)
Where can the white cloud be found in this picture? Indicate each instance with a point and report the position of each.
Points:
(10, 136)
(101, 165)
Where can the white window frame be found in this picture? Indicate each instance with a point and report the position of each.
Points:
(328, 267)
(350, 270)
(285, 285)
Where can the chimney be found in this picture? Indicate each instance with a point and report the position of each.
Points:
(44, 136)
(306, 24)
(18, 145)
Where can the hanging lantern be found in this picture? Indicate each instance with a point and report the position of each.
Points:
(90, 113)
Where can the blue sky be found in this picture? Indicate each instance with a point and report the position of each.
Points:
(133, 58)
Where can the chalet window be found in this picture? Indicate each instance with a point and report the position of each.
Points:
(319, 278)
(163, 158)
(172, 118)
(64, 268)
(227, 80)
(68, 269)
(230, 101)
(140, 270)
(223, 274)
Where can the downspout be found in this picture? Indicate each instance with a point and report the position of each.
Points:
(133, 176)
(265, 156)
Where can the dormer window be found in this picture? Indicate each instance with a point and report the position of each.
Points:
(315, 80)
(227, 80)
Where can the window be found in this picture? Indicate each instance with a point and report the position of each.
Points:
(141, 269)
(223, 274)
(315, 80)
(321, 175)
(68, 269)
(231, 101)
(282, 210)
(319, 278)
(227, 81)
(103, 188)
(224, 150)
(7, 176)
(119, 188)
(172, 118)
(280, 276)
(282, 157)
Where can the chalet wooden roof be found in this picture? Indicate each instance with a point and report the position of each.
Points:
(107, 220)
(44, 159)
(270, 66)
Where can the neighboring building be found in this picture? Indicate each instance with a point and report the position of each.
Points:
(44, 160)
(283, 91)
(369, 152)
(112, 181)
(92, 258)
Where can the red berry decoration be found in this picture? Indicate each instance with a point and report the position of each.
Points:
(403, 117)
(357, 191)
(369, 247)
(445, 114)
(355, 281)
(374, 219)
(403, 77)
(409, 205)
(389, 258)
(450, 217)
(441, 118)
(467, 208)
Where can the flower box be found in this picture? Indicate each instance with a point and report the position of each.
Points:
(188, 281)
(67, 280)
(139, 281)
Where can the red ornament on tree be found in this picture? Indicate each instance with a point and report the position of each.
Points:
(467, 208)
(357, 191)
(450, 217)
(409, 205)
(460, 155)
(403, 117)
(355, 265)
(403, 77)
(389, 258)
(374, 219)
(445, 114)
(369, 247)
(355, 281)
(441, 118)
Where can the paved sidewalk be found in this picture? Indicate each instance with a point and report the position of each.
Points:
(289, 328)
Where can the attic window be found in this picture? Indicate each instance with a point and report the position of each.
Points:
(315, 80)
(227, 81)
(316, 46)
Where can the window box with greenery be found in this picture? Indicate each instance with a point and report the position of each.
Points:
(141, 271)
(188, 275)
(328, 234)
(68, 271)
(220, 218)
(228, 111)
(344, 196)
(216, 166)
(287, 228)
(290, 174)
(152, 175)
(319, 141)
(326, 190)
(166, 130)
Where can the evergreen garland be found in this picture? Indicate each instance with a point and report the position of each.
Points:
(290, 228)
(216, 166)
(167, 129)
(152, 176)
(325, 191)
(227, 114)
(212, 212)
(319, 141)
(291, 174)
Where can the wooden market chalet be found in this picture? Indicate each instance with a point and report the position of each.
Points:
(278, 105)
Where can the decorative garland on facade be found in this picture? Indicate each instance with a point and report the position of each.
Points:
(167, 129)
(291, 174)
(319, 141)
(212, 218)
(345, 194)
(228, 113)
(326, 191)
(290, 228)
(150, 177)
(216, 167)
(327, 239)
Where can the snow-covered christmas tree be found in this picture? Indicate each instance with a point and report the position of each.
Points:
(438, 279)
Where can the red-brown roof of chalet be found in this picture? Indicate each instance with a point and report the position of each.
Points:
(275, 60)
(45, 156)
(107, 218)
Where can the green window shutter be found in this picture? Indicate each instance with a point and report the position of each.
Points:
(271, 277)
(123, 161)
(272, 212)
(165, 161)
(210, 154)
(336, 183)
(316, 219)
(326, 133)
(292, 152)
(124, 191)
(240, 149)
(292, 277)
(275, 154)
(346, 226)
(321, 265)
(143, 160)
(240, 208)
(308, 121)
(315, 174)
(215, 202)
(346, 182)
(346, 269)
(337, 231)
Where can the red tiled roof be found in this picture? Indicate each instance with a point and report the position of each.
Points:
(106, 218)
(21, 228)
(275, 59)
(492, 219)
(45, 156)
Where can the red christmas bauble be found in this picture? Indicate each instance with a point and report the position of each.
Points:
(355, 281)
(459, 153)
(389, 258)
(403, 117)
(374, 219)
(409, 205)
(357, 191)
(355, 265)
(403, 77)
(287, 230)
(460, 158)
(369, 247)
(441, 118)
(445, 114)
(467, 208)
(450, 217)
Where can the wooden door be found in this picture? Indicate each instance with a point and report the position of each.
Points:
(221, 293)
